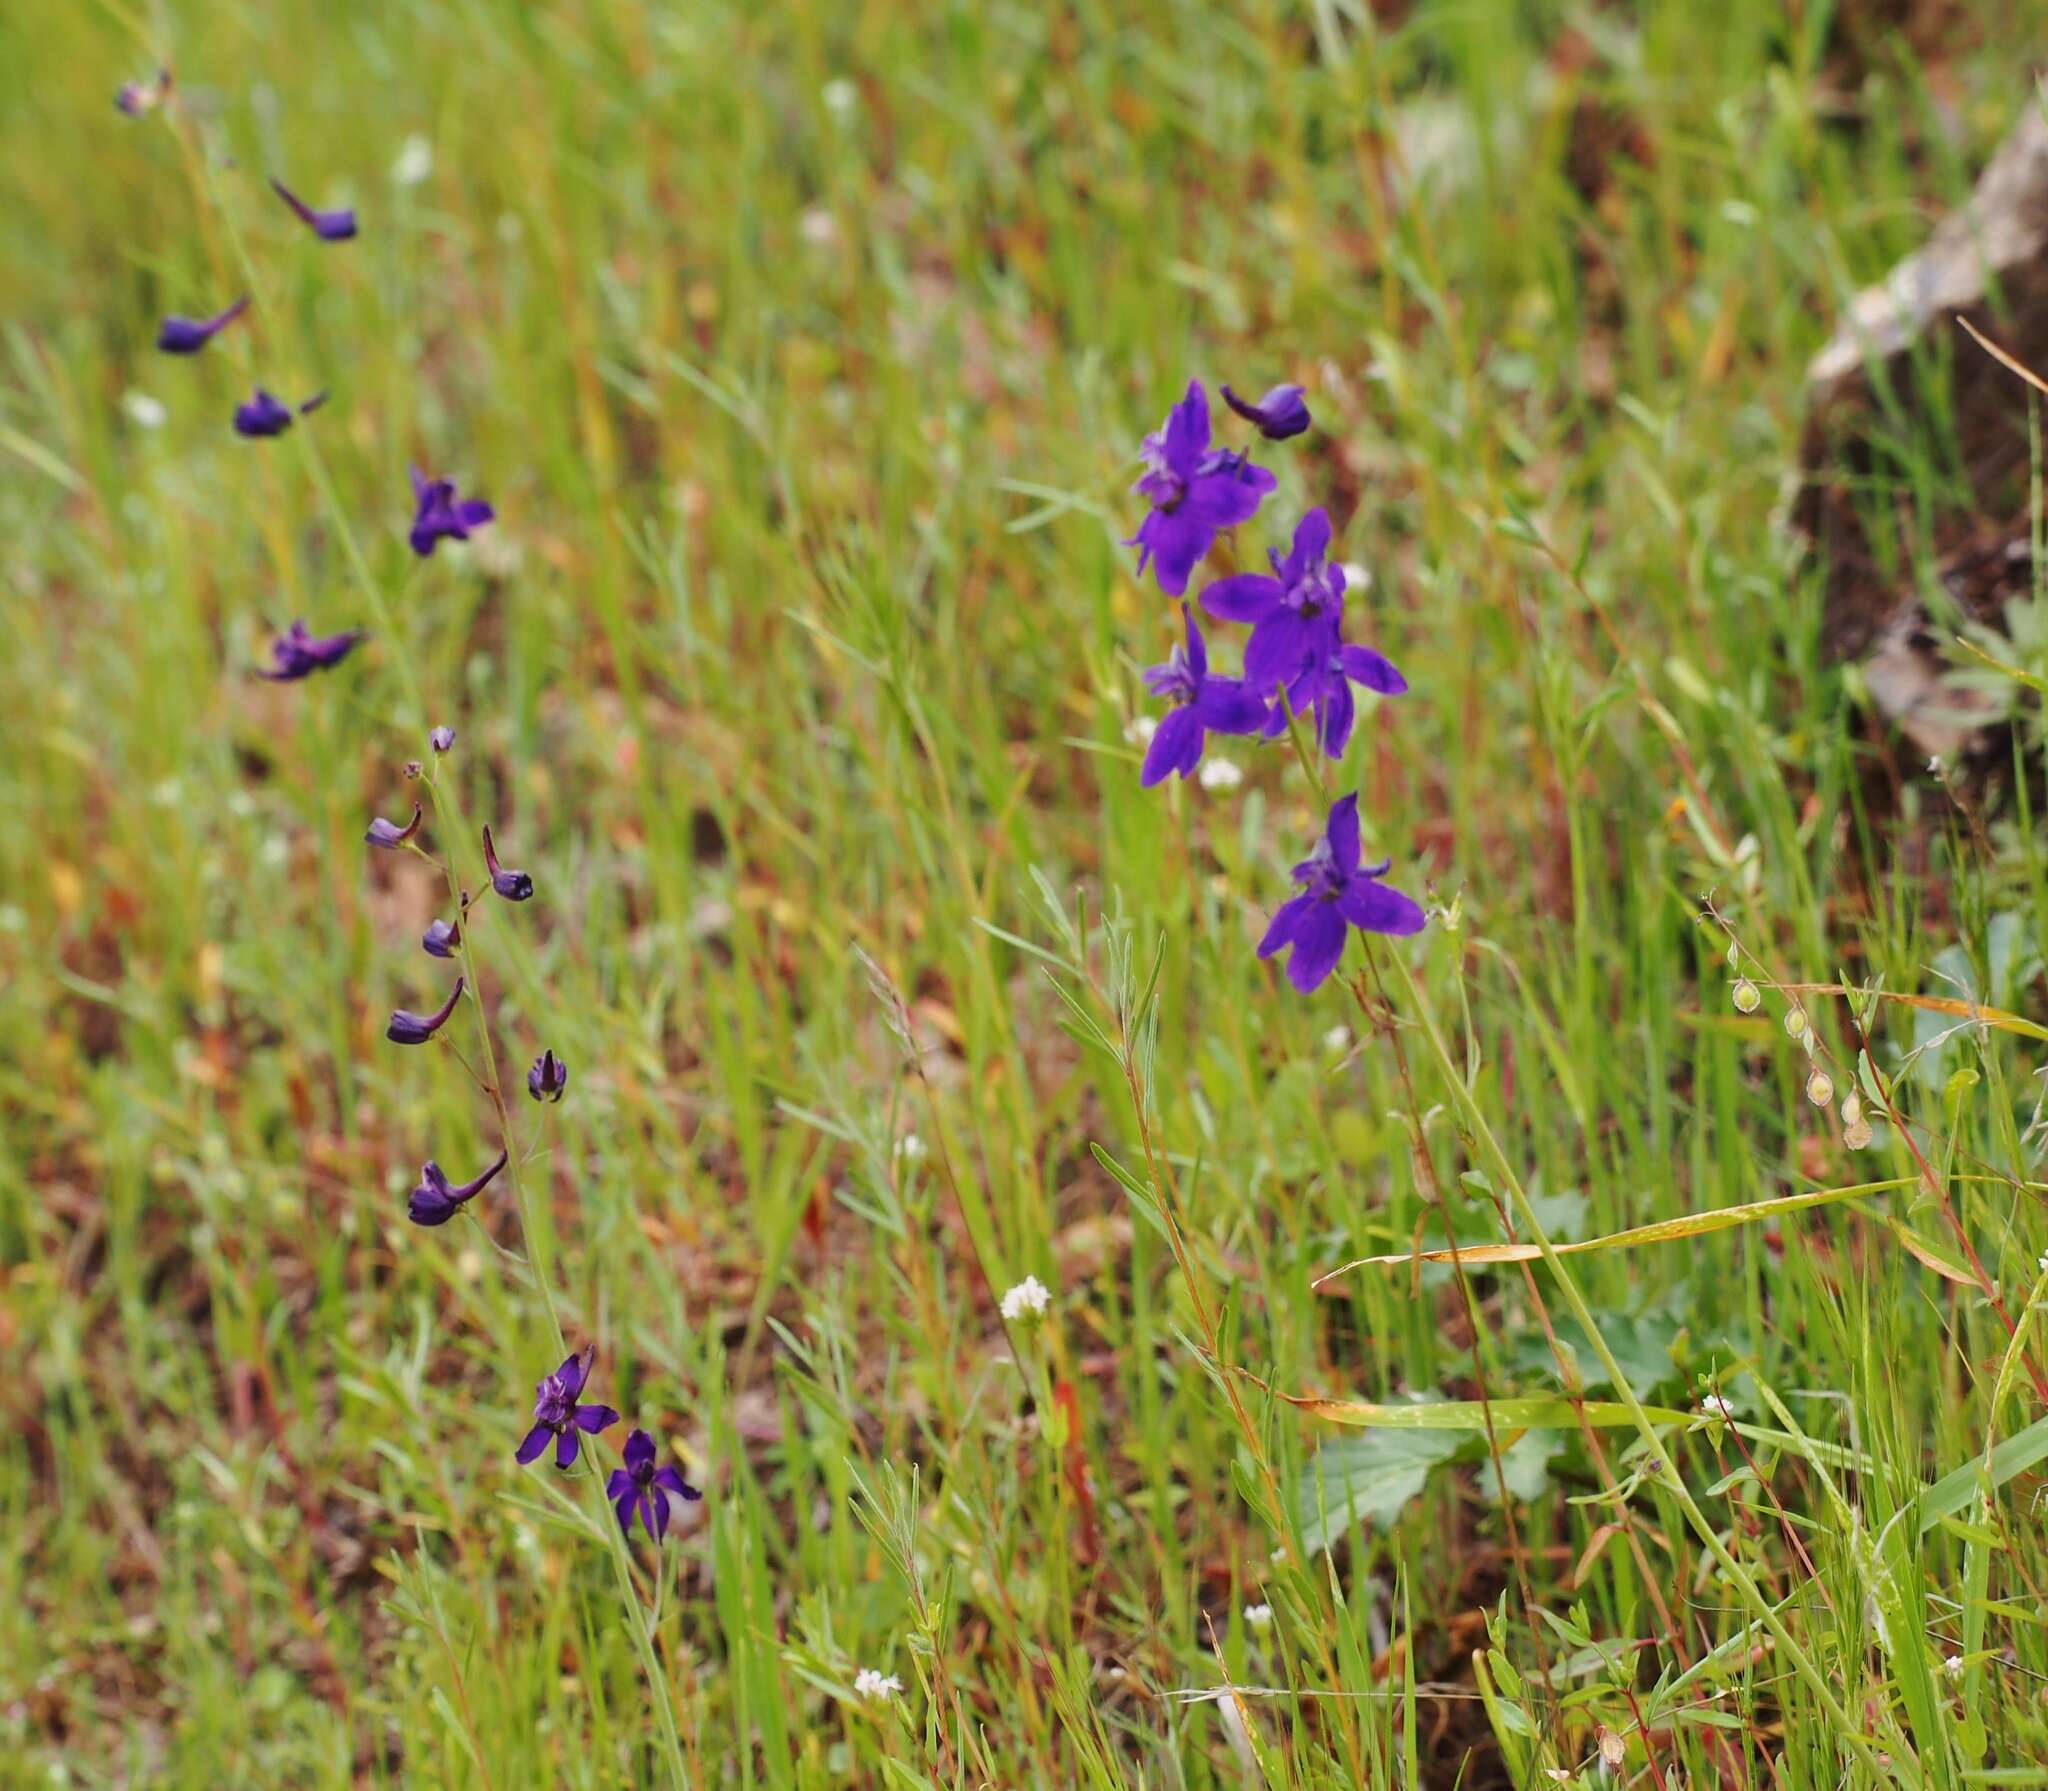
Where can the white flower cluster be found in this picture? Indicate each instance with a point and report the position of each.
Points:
(874, 1686)
(1030, 1298)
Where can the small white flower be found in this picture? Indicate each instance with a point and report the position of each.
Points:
(1337, 1040)
(1259, 1616)
(1356, 577)
(818, 227)
(1138, 731)
(2041, 1262)
(840, 97)
(144, 411)
(1717, 1407)
(415, 161)
(1954, 1664)
(1220, 774)
(874, 1686)
(910, 1148)
(1028, 1299)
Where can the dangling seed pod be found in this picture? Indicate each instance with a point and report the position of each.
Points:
(1746, 999)
(1820, 1087)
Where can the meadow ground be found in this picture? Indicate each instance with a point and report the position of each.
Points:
(804, 351)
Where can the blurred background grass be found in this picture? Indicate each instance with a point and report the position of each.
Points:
(803, 350)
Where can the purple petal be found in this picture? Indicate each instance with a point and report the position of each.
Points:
(1374, 908)
(1281, 413)
(639, 1452)
(1174, 541)
(657, 1521)
(1277, 648)
(574, 1371)
(624, 1507)
(1318, 944)
(1335, 713)
(1286, 922)
(536, 1441)
(1230, 706)
(1243, 597)
(668, 1477)
(1311, 539)
(1225, 498)
(1198, 648)
(619, 1485)
(1179, 733)
(1187, 429)
(1343, 835)
(473, 513)
(1374, 670)
(594, 1418)
(566, 1446)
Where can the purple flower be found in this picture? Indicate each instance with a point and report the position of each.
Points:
(389, 834)
(1226, 705)
(266, 414)
(437, 1200)
(297, 653)
(1324, 686)
(328, 226)
(548, 1077)
(1336, 892)
(440, 939)
(1194, 491)
(514, 886)
(137, 97)
(641, 1486)
(1294, 610)
(441, 739)
(441, 515)
(409, 1028)
(185, 335)
(1281, 413)
(556, 1413)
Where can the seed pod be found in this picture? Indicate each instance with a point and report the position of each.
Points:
(1820, 1087)
(1852, 1108)
(1856, 1134)
(1747, 1000)
(1795, 1022)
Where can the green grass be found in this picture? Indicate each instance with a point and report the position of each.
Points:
(803, 349)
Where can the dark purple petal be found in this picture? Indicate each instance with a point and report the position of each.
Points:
(408, 1028)
(298, 652)
(1198, 648)
(619, 1485)
(391, 836)
(1342, 834)
(1176, 747)
(1229, 496)
(1374, 908)
(1173, 542)
(1277, 648)
(1285, 923)
(574, 1371)
(1374, 670)
(668, 1477)
(1186, 435)
(1280, 414)
(1336, 711)
(1318, 944)
(593, 1418)
(186, 335)
(468, 1189)
(1230, 706)
(433, 1202)
(623, 1505)
(440, 940)
(473, 513)
(548, 1077)
(639, 1453)
(657, 1510)
(536, 1441)
(328, 226)
(514, 886)
(440, 517)
(264, 415)
(566, 1446)
(1243, 597)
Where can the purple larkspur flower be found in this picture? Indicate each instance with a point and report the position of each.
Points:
(442, 739)
(1337, 893)
(409, 1028)
(298, 652)
(442, 516)
(514, 886)
(1203, 705)
(1194, 491)
(557, 1414)
(1294, 610)
(441, 939)
(133, 98)
(548, 1077)
(266, 414)
(641, 1486)
(437, 1200)
(187, 335)
(1323, 687)
(1281, 413)
(328, 226)
(389, 834)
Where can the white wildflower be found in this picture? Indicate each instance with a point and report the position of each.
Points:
(1716, 1407)
(1138, 731)
(1356, 576)
(874, 1686)
(144, 411)
(1337, 1040)
(1954, 1665)
(2042, 1262)
(1259, 1616)
(1028, 1299)
(415, 162)
(841, 96)
(910, 1148)
(1220, 774)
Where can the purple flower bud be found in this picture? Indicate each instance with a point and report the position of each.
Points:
(514, 886)
(328, 226)
(408, 1028)
(441, 939)
(389, 834)
(441, 739)
(298, 653)
(266, 414)
(441, 516)
(548, 1077)
(186, 335)
(137, 97)
(436, 1200)
(1281, 413)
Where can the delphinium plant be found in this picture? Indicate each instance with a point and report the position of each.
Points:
(566, 1427)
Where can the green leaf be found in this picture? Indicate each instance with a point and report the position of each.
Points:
(1365, 1480)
